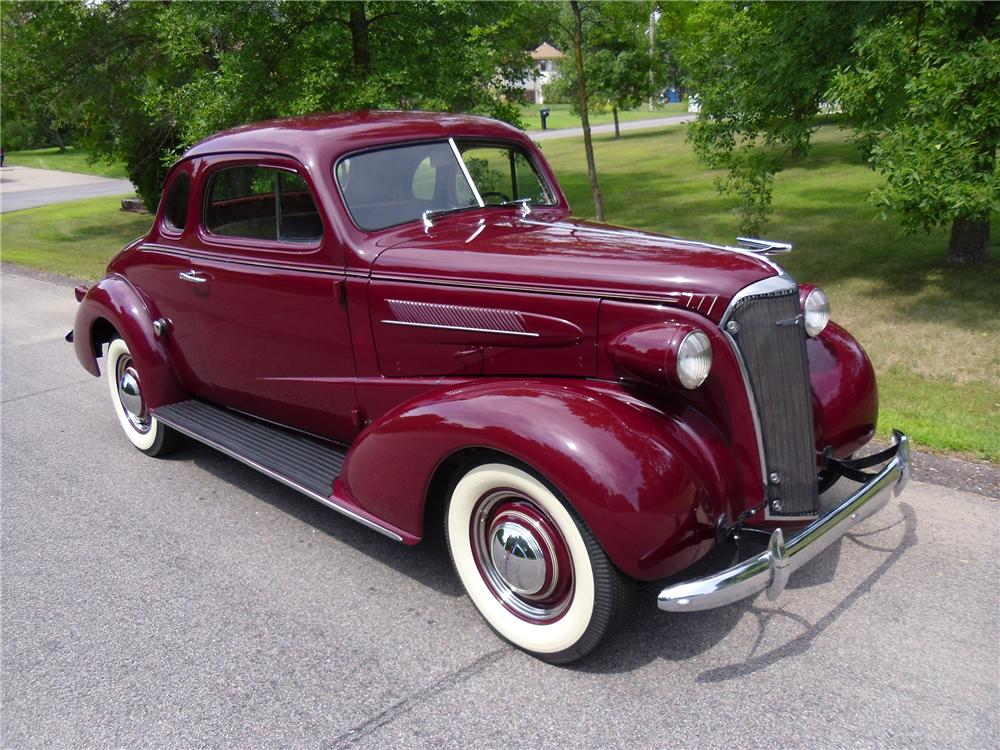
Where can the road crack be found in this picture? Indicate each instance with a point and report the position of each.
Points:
(407, 704)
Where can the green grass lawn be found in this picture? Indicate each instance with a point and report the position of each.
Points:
(69, 160)
(75, 239)
(560, 116)
(932, 331)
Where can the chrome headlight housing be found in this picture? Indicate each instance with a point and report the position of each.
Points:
(816, 312)
(694, 359)
(670, 351)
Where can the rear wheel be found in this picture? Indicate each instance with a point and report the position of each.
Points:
(140, 426)
(531, 566)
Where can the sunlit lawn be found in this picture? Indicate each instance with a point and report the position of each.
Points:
(69, 160)
(75, 239)
(933, 331)
(561, 117)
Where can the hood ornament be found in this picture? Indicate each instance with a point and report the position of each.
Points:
(763, 247)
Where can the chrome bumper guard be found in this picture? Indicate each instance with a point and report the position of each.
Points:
(770, 569)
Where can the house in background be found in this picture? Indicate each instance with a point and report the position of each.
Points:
(545, 57)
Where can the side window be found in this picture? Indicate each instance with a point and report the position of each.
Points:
(176, 204)
(503, 174)
(298, 219)
(261, 203)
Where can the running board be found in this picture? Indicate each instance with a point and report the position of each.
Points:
(306, 464)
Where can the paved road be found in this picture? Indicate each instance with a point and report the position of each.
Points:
(547, 135)
(192, 602)
(26, 187)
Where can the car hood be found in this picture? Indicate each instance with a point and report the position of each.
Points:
(573, 257)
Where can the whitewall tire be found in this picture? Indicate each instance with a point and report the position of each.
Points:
(125, 385)
(529, 563)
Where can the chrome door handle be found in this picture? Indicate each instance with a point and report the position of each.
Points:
(192, 276)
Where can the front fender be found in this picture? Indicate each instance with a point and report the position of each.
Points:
(845, 396)
(650, 484)
(117, 302)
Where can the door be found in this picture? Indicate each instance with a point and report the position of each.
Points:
(272, 324)
(155, 269)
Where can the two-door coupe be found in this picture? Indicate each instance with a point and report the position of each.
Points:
(393, 313)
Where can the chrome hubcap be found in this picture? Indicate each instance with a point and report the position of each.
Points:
(522, 556)
(130, 396)
(518, 558)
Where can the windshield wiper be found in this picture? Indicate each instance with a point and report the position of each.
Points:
(525, 204)
(430, 214)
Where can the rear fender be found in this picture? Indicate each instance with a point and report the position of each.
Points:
(651, 484)
(115, 302)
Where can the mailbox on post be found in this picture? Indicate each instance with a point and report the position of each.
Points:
(544, 112)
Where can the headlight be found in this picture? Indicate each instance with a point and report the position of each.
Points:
(817, 312)
(694, 359)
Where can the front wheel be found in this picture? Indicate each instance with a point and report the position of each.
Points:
(147, 434)
(531, 566)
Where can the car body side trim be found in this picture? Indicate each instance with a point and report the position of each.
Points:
(240, 260)
(529, 334)
(670, 298)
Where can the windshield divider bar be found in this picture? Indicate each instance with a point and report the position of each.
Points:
(465, 171)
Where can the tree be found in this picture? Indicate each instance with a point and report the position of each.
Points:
(581, 82)
(610, 66)
(923, 92)
(143, 81)
(919, 83)
(616, 58)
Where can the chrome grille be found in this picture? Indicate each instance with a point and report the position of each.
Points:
(772, 341)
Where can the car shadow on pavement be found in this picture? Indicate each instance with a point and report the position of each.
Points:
(651, 634)
(427, 563)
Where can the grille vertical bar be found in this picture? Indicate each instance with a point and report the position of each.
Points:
(772, 342)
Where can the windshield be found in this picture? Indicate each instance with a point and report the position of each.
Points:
(396, 185)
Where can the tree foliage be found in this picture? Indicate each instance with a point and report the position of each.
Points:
(761, 72)
(142, 81)
(616, 57)
(919, 82)
(923, 92)
(622, 69)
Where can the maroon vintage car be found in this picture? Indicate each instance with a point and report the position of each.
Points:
(394, 314)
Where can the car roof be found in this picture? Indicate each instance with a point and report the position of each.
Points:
(318, 138)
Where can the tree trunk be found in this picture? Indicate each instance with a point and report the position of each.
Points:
(970, 242)
(358, 24)
(614, 113)
(970, 237)
(56, 136)
(588, 144)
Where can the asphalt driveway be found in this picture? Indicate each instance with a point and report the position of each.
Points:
(192, 602)
(26, 187)
(659, 122)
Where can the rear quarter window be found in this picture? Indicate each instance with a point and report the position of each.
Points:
(262, 203)
(175, 205)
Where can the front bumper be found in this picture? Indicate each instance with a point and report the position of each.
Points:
(770, 569)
